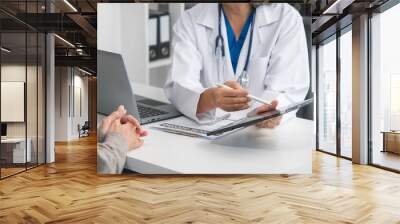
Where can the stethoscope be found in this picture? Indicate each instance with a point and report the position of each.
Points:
(243, 78)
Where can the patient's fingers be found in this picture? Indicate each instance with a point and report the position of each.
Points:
(105, 125)
(129, 118)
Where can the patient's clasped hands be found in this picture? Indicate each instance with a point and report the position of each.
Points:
(126, 125)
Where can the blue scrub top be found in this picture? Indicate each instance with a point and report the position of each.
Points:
(235, 46)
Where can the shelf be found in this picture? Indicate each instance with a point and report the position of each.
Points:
(160, 63)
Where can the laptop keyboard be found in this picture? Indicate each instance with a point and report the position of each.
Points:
(145, 112)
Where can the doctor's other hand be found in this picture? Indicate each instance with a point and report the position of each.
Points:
(271, 123)
(129, 133)
(227, 99)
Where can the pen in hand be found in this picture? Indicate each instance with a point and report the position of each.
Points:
(249, 95)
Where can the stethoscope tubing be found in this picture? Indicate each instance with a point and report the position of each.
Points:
(220, 38)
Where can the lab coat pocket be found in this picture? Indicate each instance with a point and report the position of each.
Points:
(257, 71)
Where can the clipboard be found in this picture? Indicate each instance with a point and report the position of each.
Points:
(248, 121)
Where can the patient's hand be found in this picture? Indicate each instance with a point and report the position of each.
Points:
(124, 118)
(271, 123)
(128, 132)
(109, 120)
(130, 119)
(122, 123)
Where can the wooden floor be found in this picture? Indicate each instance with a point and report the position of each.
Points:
(5, 172)
(387, 159)
(69, 191)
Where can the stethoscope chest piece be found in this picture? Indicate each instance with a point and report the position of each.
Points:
(243, 79)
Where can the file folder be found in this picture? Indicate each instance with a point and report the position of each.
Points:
(159, 35)
(153, 36)
(164, 44)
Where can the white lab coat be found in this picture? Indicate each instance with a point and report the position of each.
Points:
(278, 66)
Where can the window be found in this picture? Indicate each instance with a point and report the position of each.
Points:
(327, 96)
(22, 77)
(385, 89)
(333, 137)
(395, 101)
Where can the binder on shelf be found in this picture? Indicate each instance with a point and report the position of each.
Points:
(164, 48)
(153, 27)
(159, 35)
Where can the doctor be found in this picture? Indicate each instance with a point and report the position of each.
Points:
(255, 50)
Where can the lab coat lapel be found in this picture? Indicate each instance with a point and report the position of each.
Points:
(265, 16)
(209, 19)
(229, 74)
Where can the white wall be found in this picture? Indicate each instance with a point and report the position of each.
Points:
(80, 83)
(68, 81)
(121, 28)
(61, 104)
(16, 73)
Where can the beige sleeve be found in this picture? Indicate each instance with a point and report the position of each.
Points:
(111, 154)
(100, 135)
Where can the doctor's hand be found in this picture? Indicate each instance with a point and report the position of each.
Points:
(271, 123)
(227, 99)
(231, 99)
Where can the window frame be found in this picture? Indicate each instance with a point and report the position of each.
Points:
(27, 29)
(333, 37)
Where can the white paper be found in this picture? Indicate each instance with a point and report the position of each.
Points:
(185, 126)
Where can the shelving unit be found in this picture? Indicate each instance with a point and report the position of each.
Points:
(160, 63)
(158, 69)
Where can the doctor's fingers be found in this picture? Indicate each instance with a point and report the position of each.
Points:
(265, 124)
(234, 100)
(233, 84)
(234, 107)
(272, 123)
(267, 107)
(233, 92)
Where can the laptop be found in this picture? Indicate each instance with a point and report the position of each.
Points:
(115, 88)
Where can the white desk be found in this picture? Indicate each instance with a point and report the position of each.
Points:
(18, 149)
(286, 149)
